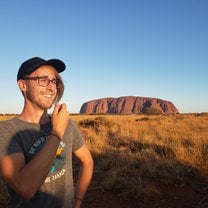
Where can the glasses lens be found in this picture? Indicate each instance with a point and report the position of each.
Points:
(43, 81)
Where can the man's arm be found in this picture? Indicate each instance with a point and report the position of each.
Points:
(85, 174)
(27, 179)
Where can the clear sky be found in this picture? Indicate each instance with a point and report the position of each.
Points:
(112, 48)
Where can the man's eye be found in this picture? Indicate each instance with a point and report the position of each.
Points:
(43, 79)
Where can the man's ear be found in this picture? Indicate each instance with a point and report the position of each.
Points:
(22, 85)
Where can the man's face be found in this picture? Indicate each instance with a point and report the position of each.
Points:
(38, 96)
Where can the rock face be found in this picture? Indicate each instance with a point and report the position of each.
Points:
(127, 105)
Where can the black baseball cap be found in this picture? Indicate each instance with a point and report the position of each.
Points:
(34, 63)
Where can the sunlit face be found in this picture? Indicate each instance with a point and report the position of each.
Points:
(39, 96)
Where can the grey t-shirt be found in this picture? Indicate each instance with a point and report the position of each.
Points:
(17, 136)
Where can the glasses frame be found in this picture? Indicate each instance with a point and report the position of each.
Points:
(38, 80)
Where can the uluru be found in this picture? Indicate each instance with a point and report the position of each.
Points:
(128, 105)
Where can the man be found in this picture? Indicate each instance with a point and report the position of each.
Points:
(36, 148)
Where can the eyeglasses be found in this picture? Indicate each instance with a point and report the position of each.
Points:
(44, 81)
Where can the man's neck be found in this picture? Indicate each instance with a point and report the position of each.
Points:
(34, 116)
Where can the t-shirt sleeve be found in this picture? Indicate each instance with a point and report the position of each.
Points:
(78, 140)
(8, 139)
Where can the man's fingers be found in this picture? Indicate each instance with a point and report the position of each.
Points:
(60, 119)
(60, 108)
(56, 108)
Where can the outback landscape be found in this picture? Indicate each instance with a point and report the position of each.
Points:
(145, 161)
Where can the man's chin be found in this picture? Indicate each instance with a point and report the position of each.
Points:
(48, 106)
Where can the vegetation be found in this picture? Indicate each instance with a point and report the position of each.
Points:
(151, 111)
(133, 151)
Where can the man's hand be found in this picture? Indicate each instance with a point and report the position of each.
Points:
(60, 119)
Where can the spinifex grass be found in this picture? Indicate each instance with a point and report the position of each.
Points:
(132, 150)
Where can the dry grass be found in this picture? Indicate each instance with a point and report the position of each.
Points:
(130, 151)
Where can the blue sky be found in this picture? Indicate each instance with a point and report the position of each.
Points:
(112, 48)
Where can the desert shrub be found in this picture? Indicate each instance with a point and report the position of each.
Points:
(151, 111)
(87, 123)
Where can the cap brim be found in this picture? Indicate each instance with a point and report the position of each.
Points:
(57, 64)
